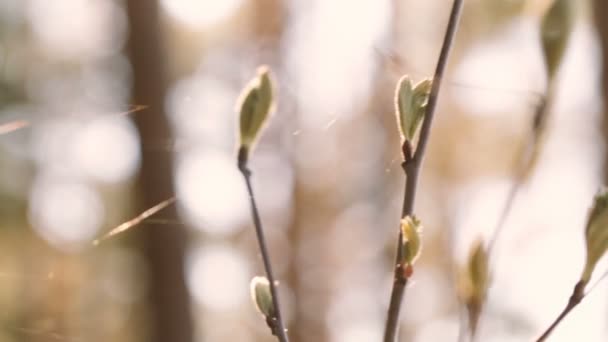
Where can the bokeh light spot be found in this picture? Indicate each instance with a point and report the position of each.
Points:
(107, 149)
(200, 14)
(67, 214)
(218, 277)
(211, 190)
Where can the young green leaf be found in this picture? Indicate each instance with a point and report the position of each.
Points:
(410, 105)
(255, 105)
(420, 99)
(596, 234)
(403, 101)
(479, 272)
(474, 283)
(556, 27)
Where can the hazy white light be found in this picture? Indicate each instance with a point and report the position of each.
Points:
(108, 81)
(107, 149)
(67, 214)
(218, 277)
(476, 207)
(507, 71)
(77, 28)
(52, 142)
(275, 177)
(437, 330)
(202, 109)
(333, 61)
(362, 331)
(200, 13)
(428, 295)
(211, 190)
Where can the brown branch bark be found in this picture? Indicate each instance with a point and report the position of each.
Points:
(163, 246)
(600, 8)
(412, 166)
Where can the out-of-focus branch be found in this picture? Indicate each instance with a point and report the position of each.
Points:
(164, 247)
(600, 8)
(526, 159)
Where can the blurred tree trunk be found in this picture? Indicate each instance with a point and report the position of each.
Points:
(600, 10)
(164, 246)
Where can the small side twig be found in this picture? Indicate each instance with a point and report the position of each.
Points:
(524, 163)
(136, 220)
(577, 296)
(276, 322)
(411, 167)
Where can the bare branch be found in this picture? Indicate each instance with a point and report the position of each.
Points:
(411, 167)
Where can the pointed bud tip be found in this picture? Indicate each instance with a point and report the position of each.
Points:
(263, 70)
(556, 27)
(424, 86)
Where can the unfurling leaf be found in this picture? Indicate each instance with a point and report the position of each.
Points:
(475, 282)
(410, 105)
(255, 105)
(261, 296)
(596, 234)
(556, 27)
(411, 243)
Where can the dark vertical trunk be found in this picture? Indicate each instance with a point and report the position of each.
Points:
(163, 246)
(601, 8)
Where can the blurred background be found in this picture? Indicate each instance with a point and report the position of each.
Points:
(126, 103)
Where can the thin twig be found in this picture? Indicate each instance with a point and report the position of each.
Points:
(12, 126)
(524, 163)
(279, 328)
(411, 167)
(577, 296)
(136, 220)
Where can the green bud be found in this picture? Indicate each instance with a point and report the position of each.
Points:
(596, 234)
(261, 296)
(478, 269)
(255, 104)
(474, 282)
(556, 27)
(410, 105)
(411, 243)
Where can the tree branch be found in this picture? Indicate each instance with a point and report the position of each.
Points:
(276, 322)
(577, 296)
(411, 167)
